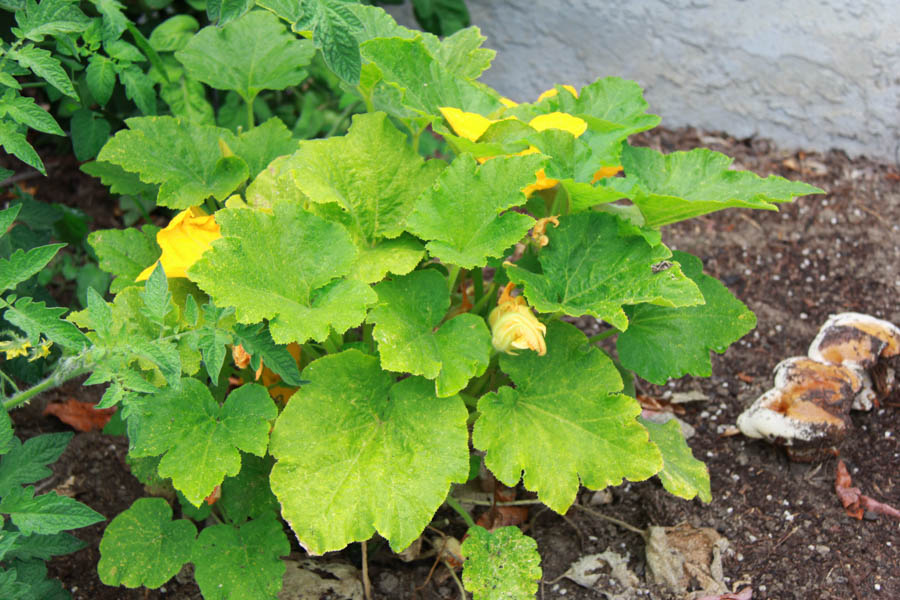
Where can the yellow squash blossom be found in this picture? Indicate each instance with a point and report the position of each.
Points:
(514, 326)
(472, 126)
(184, 240)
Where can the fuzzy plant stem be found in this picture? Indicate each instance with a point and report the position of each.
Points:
(67, 369)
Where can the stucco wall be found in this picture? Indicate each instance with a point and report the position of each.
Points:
(807, 73)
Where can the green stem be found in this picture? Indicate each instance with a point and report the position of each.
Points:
(485, 299)
(340, 119)
(144, 44)
(478, 283)
(603, 335)
(455, 505)
(452, 276)
(65, 370)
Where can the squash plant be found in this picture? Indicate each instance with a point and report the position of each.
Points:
(328, 329)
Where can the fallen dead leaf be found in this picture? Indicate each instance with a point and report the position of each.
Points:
(684, 557)
(502, 516)
(308, 579)
(82, 416)
(744, 594)
(855, 503)
(607, 573)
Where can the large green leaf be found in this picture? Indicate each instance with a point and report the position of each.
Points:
(385, 455)
(420, 81)
(662, 342)
(682, 474)
(407, 317)
(502, 564)
(143, 546)
(286, 267)
(682, 185)
(595, 263)
(46, 514)
(184, 157)
(611, 106)
(461, 214)
(250, 54)
(241, 562)
(563, 422)
(367, 180)
(200, 439)
(371, 173)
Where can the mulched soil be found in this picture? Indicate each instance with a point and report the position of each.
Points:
(789, 536)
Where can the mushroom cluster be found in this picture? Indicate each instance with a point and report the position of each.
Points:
(852, 363)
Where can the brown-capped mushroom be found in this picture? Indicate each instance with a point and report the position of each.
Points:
(865, 343)
(808, 409)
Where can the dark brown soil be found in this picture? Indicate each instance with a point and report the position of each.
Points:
(789, 536)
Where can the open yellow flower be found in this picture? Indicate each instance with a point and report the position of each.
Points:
(472, 126)
(184, 240)
(514, 325)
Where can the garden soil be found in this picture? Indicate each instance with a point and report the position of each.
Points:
(788, 536)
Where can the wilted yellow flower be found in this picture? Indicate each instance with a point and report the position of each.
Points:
(240, 356)
(514, 325)
(539, 231)
(41, 351)
(15, 347)
(184, 240)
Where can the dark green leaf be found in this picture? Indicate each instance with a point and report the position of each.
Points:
(45, 66)
(17, 144)
(89, 133)
(101, 78)
(50, 17)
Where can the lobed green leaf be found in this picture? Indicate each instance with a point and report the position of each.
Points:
(502, 564)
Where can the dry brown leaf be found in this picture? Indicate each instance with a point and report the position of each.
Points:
(744, 594)
(856, 503)
(82, 416)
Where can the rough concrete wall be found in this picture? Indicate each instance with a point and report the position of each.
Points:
(818, 74)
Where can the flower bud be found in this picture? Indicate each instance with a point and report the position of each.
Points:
(515, 327)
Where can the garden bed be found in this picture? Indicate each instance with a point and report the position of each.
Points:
(789, 536)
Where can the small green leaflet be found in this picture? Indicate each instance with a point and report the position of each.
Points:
(596, 263)
(101, 78)
(258, 342)
(503, 564)
(6, 433)
(125, 252)
(367, 180)
(407, 316)
(423, 83)
(201, 439)
(21, 264)
(682, 475)
(662, 343)
(26, 111)
(45, 66)
(385, 455)
(250, 54)
(49, 17)
(36, 319)
(673, 187)
(184, 157)
(174, 33)
(26, 463)
(89, 133)
(564, 405)
(286, 267)
(45, 514)
(461, 214)
(144, 546)
(44, 547)
(138, 87)
(187, 99)
(7, 217)
(15, 143)
(241, 562)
